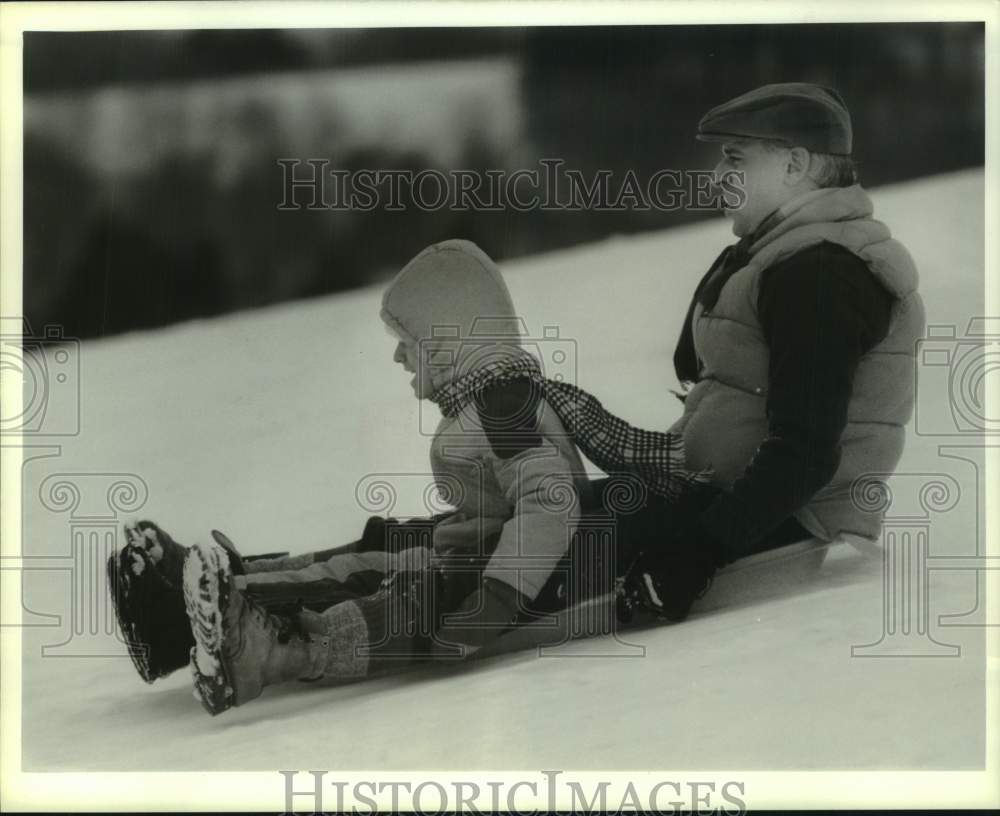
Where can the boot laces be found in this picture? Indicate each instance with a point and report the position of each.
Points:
(284, 622)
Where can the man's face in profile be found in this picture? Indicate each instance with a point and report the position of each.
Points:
(764, 173)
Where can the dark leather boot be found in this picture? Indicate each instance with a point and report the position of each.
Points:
(145, 582)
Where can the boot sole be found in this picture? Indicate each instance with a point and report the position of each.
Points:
(151, 615)
(206, 596)
(119, 586)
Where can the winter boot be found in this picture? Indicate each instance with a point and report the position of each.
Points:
(145, 581)
(239, 647)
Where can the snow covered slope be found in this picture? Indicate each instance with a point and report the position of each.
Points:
(263, 424)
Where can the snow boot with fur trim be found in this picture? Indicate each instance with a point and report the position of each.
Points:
(239, 647)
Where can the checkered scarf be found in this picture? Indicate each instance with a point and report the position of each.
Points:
(657, 458)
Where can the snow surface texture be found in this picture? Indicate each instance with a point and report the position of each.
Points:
(263, 424)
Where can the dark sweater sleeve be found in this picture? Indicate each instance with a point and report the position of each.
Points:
(820, 311)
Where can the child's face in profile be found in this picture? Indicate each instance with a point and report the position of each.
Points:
(407, 354)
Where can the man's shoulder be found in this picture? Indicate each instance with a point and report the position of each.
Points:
(822, 280)
(822, 266)
(824, 255)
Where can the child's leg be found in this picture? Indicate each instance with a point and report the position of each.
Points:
(320, 585)
(344, 576)
(242, 646)
(382, 633)
(380, 535)
(288, 563)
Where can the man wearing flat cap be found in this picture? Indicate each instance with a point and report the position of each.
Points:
(796, 352)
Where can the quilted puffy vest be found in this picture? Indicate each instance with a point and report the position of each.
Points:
(724, 414)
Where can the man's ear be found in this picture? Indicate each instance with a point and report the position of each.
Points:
(797, 166)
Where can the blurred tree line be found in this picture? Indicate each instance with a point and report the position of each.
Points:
(196, 230)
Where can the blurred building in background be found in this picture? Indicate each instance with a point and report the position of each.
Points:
(151, 175)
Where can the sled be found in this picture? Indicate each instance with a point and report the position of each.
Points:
(751, 580)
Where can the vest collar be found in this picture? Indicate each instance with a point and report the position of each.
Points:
(816, 206)
(840, 215)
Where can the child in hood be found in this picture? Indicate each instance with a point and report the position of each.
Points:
(507, 464)
(505, 454)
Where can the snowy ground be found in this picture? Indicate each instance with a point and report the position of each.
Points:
(263, 424)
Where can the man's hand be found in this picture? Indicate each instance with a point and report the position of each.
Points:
(669, 573)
